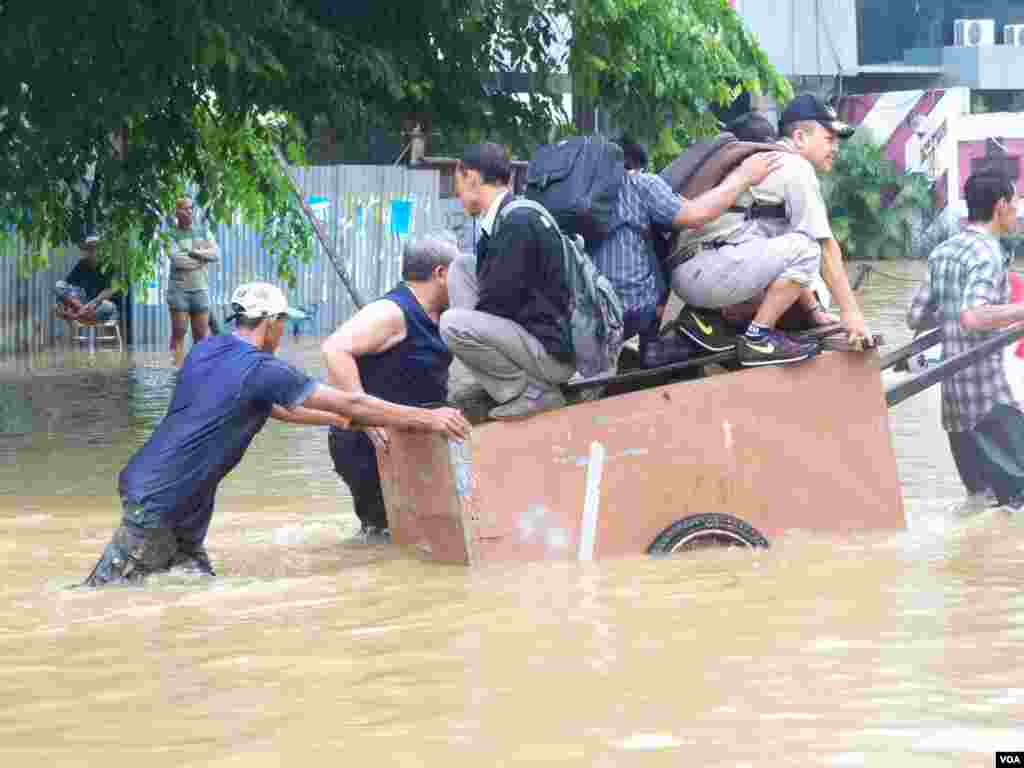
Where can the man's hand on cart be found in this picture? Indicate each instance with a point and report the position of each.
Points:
(857, 333)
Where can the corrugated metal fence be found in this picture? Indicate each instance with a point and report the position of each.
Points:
(27, 322)
(369, 211)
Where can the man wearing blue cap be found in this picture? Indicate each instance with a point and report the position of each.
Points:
(769, 262)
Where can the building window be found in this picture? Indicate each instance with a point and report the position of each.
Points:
(886, 29)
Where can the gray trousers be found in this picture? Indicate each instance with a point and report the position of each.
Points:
(738, 272)
(502, 355)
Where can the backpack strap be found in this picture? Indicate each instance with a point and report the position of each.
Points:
(525, 203)
(761, 210)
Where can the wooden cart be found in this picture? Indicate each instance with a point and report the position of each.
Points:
(728, 459)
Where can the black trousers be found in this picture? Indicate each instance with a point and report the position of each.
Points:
(969, 462)
(992, 454)
(355, 460)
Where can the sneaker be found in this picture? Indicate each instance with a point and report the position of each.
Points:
(669, 349)
(775, 348)
(629, 360)
(371, 535)
(707, 328)
(530, 403)
(1014, 503)
(196, 561)
(579, 394)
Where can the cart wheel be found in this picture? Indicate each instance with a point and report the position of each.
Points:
(706, 531)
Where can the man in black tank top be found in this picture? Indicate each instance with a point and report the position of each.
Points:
(391, 348)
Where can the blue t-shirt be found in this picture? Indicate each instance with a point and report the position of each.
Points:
(225, 393)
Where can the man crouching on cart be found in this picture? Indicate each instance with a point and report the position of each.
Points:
(227, 389)
(770, 259)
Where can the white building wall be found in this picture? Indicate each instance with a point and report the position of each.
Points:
(954, 105)
(805, 38)
(1006, 125)
(890, 111)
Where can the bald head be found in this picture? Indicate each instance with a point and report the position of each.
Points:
(183, 212)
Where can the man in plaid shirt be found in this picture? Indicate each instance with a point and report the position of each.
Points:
(967, 295)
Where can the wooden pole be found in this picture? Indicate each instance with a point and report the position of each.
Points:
(321, 234)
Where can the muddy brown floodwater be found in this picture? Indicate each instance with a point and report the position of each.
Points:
(886, 650)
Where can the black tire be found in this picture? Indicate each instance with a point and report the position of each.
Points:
(707, 530)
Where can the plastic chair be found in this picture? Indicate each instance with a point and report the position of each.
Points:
(92, 333)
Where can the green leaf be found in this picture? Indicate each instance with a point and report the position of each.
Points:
(841, 228)
(190, 84)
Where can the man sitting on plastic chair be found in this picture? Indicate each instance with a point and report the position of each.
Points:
(84, 296)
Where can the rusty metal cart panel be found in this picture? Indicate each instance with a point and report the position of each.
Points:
(803, 446)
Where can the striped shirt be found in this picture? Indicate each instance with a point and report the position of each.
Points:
(967, 271)
(626, 257)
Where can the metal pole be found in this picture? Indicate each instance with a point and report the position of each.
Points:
(897, 393)
(318, 227)
(605, 379)
(865, 270)
(917, 346)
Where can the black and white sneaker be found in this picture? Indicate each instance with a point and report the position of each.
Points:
(371, 534)
(706, 328)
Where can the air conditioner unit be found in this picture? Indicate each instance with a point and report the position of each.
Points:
(1013, 34)
(974, 32)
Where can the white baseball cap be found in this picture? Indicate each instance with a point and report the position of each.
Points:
(254, 301)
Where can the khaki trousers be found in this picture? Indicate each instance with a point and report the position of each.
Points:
(503, 356)
(735, 273)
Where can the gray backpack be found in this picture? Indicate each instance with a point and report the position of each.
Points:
(595, 311)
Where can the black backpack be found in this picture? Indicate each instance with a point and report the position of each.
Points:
(578, 181)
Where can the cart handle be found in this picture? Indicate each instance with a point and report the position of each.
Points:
(897, 393)
(922, 342)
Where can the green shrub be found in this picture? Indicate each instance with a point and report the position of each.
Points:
(875, 210)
